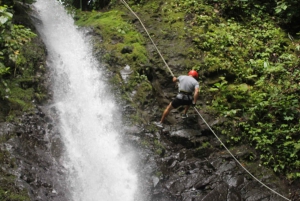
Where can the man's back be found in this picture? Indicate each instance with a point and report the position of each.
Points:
(187, 83)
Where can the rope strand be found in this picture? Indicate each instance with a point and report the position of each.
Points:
(123, 1)
(237, 159)
(128, 7)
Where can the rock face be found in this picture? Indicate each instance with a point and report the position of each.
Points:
(37, 148)
(189, 164)
(185, 161)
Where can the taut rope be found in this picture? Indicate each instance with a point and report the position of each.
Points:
(128, 7)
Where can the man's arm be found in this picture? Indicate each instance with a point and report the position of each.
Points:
(196, 94)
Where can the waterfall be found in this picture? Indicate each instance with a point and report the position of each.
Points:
(90, 123)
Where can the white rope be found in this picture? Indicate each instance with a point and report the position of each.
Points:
(123, 1)
(237, 159)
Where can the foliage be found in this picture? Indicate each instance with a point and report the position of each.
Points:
(88, 5)
(5, 18)
(257, 65)
(259, 88)
(286, 12)
(12, 38)
(243, 9)
(99, 4)
(117, 35)
(143, 90)
(20, 60)
(159, 148)
(241, 43)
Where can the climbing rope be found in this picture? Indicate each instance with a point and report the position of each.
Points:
(237, 159)
(128, 7)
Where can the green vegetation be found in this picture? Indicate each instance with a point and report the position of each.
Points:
(122, 42)
(257, 64)
(284, 13)
(21, 59)
(19, 63)
(159, 148)
(242, 44)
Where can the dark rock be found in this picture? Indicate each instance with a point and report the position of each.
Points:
(217, 194)
(184, 137)
(35, 161)
(127, 50)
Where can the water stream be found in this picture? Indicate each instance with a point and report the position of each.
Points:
(90, 123)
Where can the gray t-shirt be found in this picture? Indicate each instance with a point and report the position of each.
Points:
(187, 83)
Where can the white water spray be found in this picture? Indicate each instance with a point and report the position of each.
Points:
(89, 116)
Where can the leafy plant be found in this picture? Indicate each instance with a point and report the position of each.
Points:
(12, 38)
(257, 65)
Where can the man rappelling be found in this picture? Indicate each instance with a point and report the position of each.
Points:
(188, 95)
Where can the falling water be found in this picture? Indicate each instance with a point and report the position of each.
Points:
(89, 118)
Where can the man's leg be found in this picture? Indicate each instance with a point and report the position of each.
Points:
(186, 109)
(166, 112)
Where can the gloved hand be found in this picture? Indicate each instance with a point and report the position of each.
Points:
(193, 104)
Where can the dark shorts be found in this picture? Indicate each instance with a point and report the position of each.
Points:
(178, 102)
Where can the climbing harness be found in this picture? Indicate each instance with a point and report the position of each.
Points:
(185, 93)
(128, 7)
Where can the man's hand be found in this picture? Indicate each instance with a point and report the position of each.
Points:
(193, 104)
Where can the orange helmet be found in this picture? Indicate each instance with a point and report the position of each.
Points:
(193, 73)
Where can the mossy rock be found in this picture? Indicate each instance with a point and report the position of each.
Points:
(8, 189)
(143, 94)
(122, 43)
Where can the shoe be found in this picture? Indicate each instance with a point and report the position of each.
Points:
(159, 124)
(184, 116)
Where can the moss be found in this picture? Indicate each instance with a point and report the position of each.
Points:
(22, 86)
(8, 189)
(205, 145)
(20, 99)
(138, 54)
(158, 174)
(30, 58)
(145, 143)
(142, 93)
(159, 148)
(117, 34)
(6, 194)
(116, 79)
(19, 96)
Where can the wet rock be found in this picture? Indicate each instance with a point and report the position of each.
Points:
(226, 167)
(35, 157)
(217, 194)
(204, 182)
(188, 175)
(155, 180)
(184, 137)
